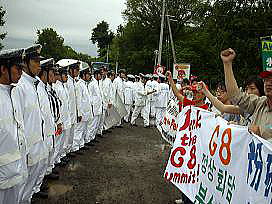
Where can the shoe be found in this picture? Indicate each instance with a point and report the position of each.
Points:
(41, 194)
(71, 155)
(52, 176)
(107, 131)
(120, 126)
(134, 125)
(85, 148)
(99, 136)
(147, 126)
(55, 171)
(89, 144)
(179, 201)
(78, 152)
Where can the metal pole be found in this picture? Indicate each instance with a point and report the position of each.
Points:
(161, 34)
(108, 54)
(171, 39)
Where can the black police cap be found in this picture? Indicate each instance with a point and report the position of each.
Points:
(48, 64)
(12, 56)
(34, 52)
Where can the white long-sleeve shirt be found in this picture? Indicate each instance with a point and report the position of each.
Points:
(129, 93)
(119, 88)
(28, 103)
(62, 92)
(85, 100)
(46, 110)
(13, 168)
(162, 95)
(107, 91)
(96, 97)
(74, 113)
(140, 94)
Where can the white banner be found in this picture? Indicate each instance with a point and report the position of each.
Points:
(213, 162)
(168, 126)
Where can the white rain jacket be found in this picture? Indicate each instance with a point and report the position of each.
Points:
(107, 92)
(28, 103)
(74, 113)
(96, 97)
(119, 88)
(129, 93)
(85, 101)
(140, 94)
(62, 92)
(13, 168)
(162, 95)
(47, 115)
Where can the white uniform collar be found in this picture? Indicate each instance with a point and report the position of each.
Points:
(5, 87)
(29, 78)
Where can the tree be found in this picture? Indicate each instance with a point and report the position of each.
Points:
(53, 44)
(2, 23)
(102, 36)
(54, 47)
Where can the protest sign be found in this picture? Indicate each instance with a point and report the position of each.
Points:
(168, 126)
(214, 162)
(181, 71)
(267, 55)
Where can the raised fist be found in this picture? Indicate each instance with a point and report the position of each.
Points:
(228, 55)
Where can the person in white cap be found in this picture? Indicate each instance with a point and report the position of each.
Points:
(13, 167)
(97, 106)
(75, 114)
(118, 85)
(129, 96)
(162, 95)
(61, 89)
(140, 101)
(153, 100)
(29, 104)
(47, 115)
(84, 94)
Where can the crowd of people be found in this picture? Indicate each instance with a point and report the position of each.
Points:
(51, 113)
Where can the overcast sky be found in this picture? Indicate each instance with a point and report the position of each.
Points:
(72, 19)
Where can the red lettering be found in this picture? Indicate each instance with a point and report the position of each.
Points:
(182, 151)
(187, 120)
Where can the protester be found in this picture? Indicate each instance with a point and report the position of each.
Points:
(259, 107)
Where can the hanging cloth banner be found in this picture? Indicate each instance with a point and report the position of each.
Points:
(213, 162)
(267, 55)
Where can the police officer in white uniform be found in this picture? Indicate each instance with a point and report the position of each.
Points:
(129, 96)
(118, 85)
(13, 167)
(28, 101)
(75, 115)
(153, 100)
(47, 114)
(97, 105)
(162, 99)
(140, 101)
(85, 104)
(63, 93)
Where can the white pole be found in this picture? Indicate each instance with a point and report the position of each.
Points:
(171, 39)
(161, 34)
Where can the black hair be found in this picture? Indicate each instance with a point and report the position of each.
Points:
(221, 86)
(122, 71)
(186, 82)
(109, 74)
(258, 83)
(193, 80)
(96, 72)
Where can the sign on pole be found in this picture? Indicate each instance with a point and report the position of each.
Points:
(267, 54)
(181, 71)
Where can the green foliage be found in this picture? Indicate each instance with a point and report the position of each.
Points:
(53, 46)
(202, 30)
(103, 37)
(2, 23)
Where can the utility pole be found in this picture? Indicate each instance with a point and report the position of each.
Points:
(108, 54)
(171, 39)
(161, 34)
